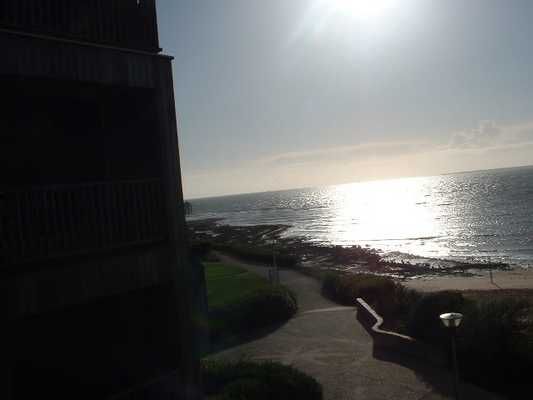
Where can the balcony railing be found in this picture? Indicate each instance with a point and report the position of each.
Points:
(47, 222)
(121, 23)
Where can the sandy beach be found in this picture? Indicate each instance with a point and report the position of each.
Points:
(512, 279)
(427, 275)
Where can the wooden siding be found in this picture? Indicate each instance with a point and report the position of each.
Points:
(122, 23)
(53, 221)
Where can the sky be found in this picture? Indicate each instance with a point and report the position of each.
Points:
(283, 94)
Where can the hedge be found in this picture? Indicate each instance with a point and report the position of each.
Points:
(259, 381)
(256, 311)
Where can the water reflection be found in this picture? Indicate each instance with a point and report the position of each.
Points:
(481, 214)
(371, 212)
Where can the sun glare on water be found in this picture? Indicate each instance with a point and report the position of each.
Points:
(364, 214)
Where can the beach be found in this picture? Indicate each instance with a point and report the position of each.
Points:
(417, 273)
(516, 278)
(478, 217)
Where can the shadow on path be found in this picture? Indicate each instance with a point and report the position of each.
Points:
(228, 341)
(439, 379)
(329, 343)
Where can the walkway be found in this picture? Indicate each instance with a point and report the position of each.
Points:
(327, 342)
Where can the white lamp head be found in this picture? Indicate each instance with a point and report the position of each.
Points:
(451, 320)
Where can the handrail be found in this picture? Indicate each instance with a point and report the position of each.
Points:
(125, 23)
(82, 43)
(25, 188)
(43, 222)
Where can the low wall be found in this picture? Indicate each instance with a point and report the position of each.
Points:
(389, 344)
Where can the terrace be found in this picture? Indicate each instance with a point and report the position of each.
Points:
(81, 171)
(38, 223)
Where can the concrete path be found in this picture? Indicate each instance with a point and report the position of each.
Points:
(327, 342)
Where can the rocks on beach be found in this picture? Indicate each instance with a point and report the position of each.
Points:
(326, 257)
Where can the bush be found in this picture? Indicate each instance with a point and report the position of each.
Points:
(261, 381)
(346, 288)
(494, 341)
(255, 311)
(267, 307)
(387, 297)
(424, 322)
(494, 344)
(256, 254)
(203, 250)
(200, 248)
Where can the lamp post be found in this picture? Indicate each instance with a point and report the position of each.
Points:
(452, 321)
(274, 272)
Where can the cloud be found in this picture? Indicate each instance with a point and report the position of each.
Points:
(489, 134)
(522, 133)
(490, 145)
(358, 152)
(486, 134)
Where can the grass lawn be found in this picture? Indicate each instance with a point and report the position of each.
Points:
(227, 284)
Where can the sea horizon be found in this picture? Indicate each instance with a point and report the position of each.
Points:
(479, 215)
(189, 199)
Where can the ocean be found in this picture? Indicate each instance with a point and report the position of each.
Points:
(477, 216)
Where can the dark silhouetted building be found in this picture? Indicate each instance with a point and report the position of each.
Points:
(93, 255)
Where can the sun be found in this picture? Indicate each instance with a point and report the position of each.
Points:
(362, 10)
(365, 20)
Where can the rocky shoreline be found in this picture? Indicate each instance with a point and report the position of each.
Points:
(349, 259)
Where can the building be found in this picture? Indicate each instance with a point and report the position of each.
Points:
(93, 255)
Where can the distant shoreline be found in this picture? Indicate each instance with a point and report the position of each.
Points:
(357, 181)
(348, 259)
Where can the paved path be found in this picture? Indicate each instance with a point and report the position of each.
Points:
(327, 342)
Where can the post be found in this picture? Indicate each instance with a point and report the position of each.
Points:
(274, 264)
(455, 364)
(451, 321)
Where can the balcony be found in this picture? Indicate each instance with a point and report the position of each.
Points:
(40, 223)
(128, 24)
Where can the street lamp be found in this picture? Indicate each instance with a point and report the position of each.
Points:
(452, 322)
(273, 271)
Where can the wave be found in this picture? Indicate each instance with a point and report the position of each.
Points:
(287, 208)
(456, 212)
(400, 239)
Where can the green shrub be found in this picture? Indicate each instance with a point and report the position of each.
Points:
(401, 305)
(424, 322)
(262, 381)
(494, 343)
(495, 339)
(386, 296)
(244, 389)
(267, 306)
(200, 248)
(330, 288)
(255, 311)
(346, 288)
(203, 250)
